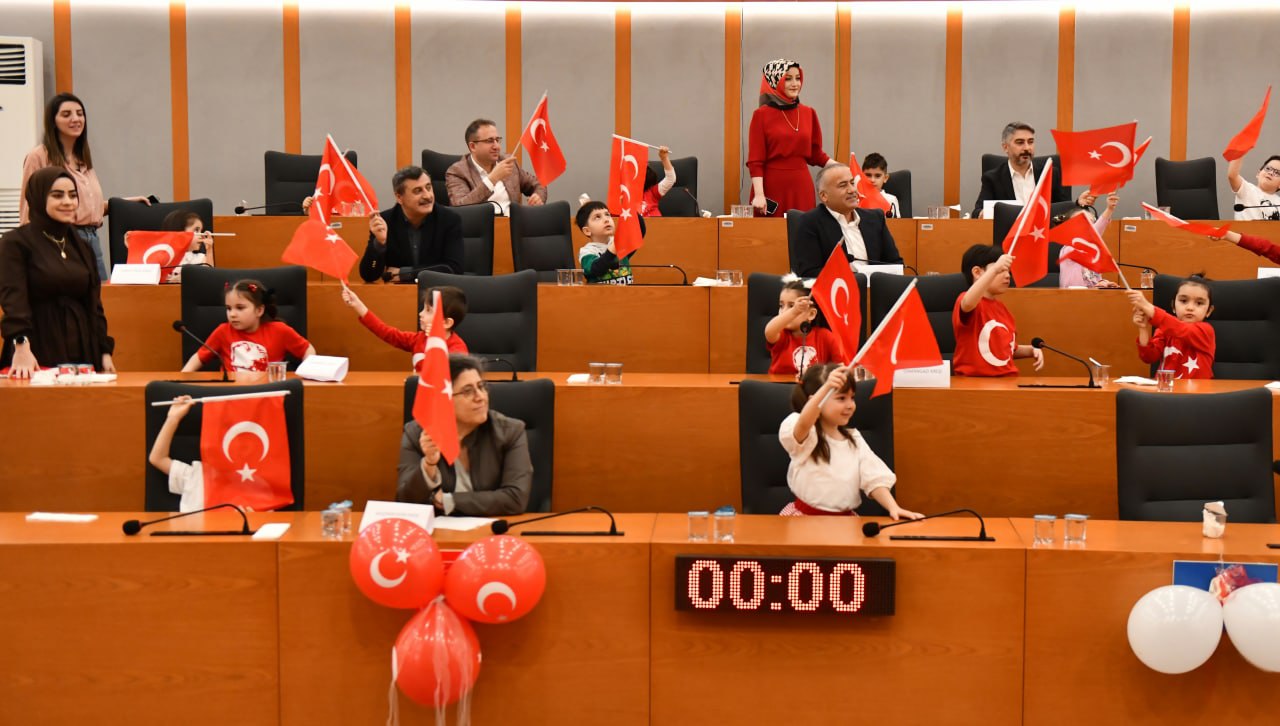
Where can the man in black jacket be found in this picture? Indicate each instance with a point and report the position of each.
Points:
(1000, 184)
(838, 221)
(414, 235)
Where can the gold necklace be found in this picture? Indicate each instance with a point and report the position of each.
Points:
(794, 126)
(61, 242)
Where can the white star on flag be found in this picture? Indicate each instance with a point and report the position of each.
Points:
(1094, 154)
(545, 147)
(448, 388)
(332, 238)
(246, 474)
(625, 214)
(1037, 232)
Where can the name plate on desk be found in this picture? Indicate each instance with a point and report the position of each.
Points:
(887, 269)
(1265, 272)
(938, 376)
(135, 275)
(327, 368)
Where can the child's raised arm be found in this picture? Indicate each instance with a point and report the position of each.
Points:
(777, 325)
(978, 289)
(813, 407)
(1233, 173)
(353, 301)
(159, 456)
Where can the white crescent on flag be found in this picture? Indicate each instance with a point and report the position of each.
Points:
(1079, 242)
(893, 352)
(626, 193)
(836, 287)
(984, 343)
(1126, 156)
(533, 132)
(494, 588)
(635, 165)
(325, 169)
(245, 427)
(168, 250)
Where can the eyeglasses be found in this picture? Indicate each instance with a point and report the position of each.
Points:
(490, 140)
(1271, 171)
(473, 391)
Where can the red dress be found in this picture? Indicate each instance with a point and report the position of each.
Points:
(782, 145)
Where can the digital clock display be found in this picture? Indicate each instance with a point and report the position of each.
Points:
(785, 585)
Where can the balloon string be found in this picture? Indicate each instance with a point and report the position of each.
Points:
(393, 712)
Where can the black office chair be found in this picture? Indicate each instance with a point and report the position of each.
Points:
(899, 185)
(762, 305)
(204, 291)
(534, 403)
(1189, 188)
(1246, 323)
(991, 161)
(125, 216)
(762, 405)
(186, 441)
(541, 239)
(938, 293)
(1003, 218)
(1174, 452)
(678, 203)
(477, 238)
(502, 314)
(793, 232)
(290, 178)
(436, 165)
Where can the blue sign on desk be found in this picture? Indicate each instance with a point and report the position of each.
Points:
(1197, 574)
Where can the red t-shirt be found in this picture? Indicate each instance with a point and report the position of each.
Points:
(986, 339)
(404, 340)
(242, 351)
(649, 202)
(1187, 349)
(787, 355)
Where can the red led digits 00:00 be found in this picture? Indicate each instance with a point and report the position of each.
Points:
(785, 585)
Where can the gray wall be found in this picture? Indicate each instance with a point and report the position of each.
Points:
(36, 21)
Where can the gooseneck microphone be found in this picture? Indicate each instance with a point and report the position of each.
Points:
(504, 362)
(501, 526)
(133, 526)
(871, 529)
(181, 327)
(684, 277)
(1039, 343)
(1275, 214)
(240, 209)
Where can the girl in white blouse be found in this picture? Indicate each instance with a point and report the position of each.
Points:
(832, 466)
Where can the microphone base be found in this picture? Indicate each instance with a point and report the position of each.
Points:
(1058, 385)
(227, 532)
(560, 533)
(941, 538)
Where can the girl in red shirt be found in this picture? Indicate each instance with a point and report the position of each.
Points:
(251, 337)
(1183, 342)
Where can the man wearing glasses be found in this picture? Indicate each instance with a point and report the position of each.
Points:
(1261, 200)
(484, 175)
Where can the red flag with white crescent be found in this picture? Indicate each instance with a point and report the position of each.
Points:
(1081, 243)
(836, 293)
(1243, 142)
(626, 192)
(158, 248)
(1027, 240)
(244, 452)
(904, 339)
(339, 183)
(868, 196)
(433, 401)
(1192, 227)
(1114, 186)
(544, 151)
(1097, 156)
(317, 246)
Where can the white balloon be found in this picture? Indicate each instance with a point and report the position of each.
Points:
(1252, 616)
(1175, 628)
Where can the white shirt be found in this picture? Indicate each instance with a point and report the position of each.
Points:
(499, 195)
(853, 242)
(1024, 185)
(187, 480)
(1250, 195)
(836, 485)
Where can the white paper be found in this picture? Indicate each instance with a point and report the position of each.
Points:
(578, 378)
(123, 274)
(462, 524)
(422, 515)
(989, 206)
(1136, 380)
(870, 270)
(271, 530)
(1274, 385)
(938, 376)
(46, 377)
(61, 517)
(327, 368)
(705, 282)
(1265, 272)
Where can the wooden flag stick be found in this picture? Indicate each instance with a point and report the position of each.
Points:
(229, 397)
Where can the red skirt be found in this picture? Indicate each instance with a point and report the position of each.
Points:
(791, 188)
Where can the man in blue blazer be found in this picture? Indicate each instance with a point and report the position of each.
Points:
(838, 221)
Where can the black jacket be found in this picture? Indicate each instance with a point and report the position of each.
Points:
(819, 233)
(998, 184)
(439, 246)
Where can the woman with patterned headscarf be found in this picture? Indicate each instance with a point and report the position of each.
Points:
(785, 139)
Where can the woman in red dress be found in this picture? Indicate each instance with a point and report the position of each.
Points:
(785, 139)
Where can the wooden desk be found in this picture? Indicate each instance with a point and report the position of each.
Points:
(940, 243)
(687, 242)
(1078, 603)
(951, 653)
(101, 629)
(760, 245)
(1011, 452)
(1176, 252)
(581, 656)
(261, 240)
(648, 329)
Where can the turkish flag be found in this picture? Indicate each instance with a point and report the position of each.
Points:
(1081, 243)
(544, 151)
(1112, 187)
(1243, 142)
(317, 246)
(626, 191)
(869, 196)
(1192, 227)
(1097, 156)
(339, 183)
(433, 402)
(904, 340)
(1028, 234)
(244, 450)
(158, 248)
(836, 292)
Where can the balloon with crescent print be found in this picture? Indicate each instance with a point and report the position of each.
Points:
(496, 580)
(395, 563)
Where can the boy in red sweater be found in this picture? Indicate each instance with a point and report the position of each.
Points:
(1183, 342)
(986, 336)
(452, 299)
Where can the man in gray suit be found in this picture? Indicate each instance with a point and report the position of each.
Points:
(484, 175)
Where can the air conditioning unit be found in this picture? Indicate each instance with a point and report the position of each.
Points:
(21, 101)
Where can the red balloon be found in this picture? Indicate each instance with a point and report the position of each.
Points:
(437, 656)
(496, 580)
(395, 563)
